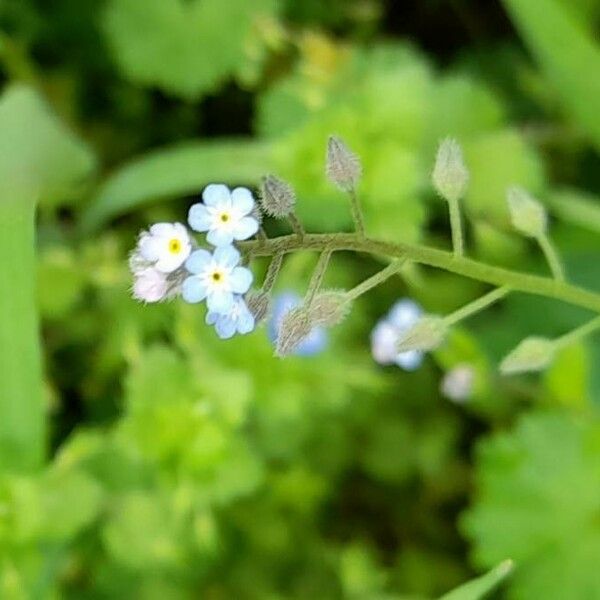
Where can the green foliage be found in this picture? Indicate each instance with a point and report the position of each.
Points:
(537, 502)
(184, 48)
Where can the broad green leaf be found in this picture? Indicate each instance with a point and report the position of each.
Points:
(482, 586)
(39, 159)
(567, 53)
(185, 48)
(538, 492)
(176, 171)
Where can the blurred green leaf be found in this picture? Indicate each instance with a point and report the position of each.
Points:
(537, 501)
(576, 207)
(568, 53)
(482, 586)
(176, 171)
(184, 48)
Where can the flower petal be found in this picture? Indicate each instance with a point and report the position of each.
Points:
(246, 227)
(162, 229)
(404, 314)
(240, 280)
(215, 194)
(193, 290)
(225, 327)
(199, 217)
(410, 360)
(220, 302)
(211, 317)
(245, 322)
(242, 201)
(226, 256)
(151, 247)
(168, 263)
(219, 237)
(198, 261)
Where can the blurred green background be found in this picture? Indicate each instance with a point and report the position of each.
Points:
(159, 462)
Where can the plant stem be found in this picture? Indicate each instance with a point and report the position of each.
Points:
(272, 272)
(551, 257)
(456, 227)
(476, 305)
(296, 224)
(317, 276)
(21, 389)
(375, 280)
(516, 280)
(578, 333)
(357, 215)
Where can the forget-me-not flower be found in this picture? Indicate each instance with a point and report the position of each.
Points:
(150, 285)
(216, 277)
(224, 214)
(385, 335)
(314, 343)
(165, 246)
(238, 320)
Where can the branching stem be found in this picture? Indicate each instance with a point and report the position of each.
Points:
(375, 280)
(456, 227)
(578, 333)
(516, 280)
(357, 215)
(476, 305)
(551, 257)
(317, 276)
(272, 272)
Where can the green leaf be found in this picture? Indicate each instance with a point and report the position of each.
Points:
(537, 501)
(567, 54)
(176, 171)
(39, 159)
(576, 207)
(184, 48)
(480, 587)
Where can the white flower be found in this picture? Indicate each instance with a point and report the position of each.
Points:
(216, 277)
(166, 246)
(224, 214)
(238, 320)
(150, 285)
(386, 334)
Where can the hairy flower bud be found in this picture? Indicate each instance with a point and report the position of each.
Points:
(532, 354)
(426, 334)
(343, 166)
(329, 308)
(450, 174)
(277, 198)
(458, 383)
(527, 214)
(258, 303)
(295, 327)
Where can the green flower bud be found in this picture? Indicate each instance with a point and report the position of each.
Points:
(294, 328)
(343, 166)
(277, 198)
(329, 308)
(427, 334)
(528, 216)
(450, 175)
(532, 354)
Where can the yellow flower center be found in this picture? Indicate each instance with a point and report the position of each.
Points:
(224, 217)
(216, 276)
(174, 246)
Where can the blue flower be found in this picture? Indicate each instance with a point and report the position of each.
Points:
(216, 277)
(314, 343)
(224, 214)
(385, 335)
(238, 320)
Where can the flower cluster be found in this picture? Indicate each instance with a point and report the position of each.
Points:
(388, 332)
(165, 262)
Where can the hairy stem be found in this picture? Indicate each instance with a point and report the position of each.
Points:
(296, 224)
(272, 272)
(476, 305)
(516, 280)
(317, 276)
(375, 280)
(357, 215)
(456, 227)
(551, 257)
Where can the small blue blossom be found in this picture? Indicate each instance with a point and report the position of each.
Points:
(215, 277)
(314, 343)
(385, 335)
(238, 320)
(224, 214)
